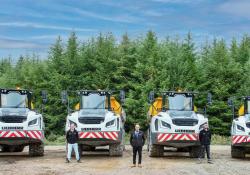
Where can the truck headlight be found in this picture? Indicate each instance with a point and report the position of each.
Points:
(165, 124)
(32, 122)
(110, 123)
(240, 128)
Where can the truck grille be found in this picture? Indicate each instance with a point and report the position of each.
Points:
(90, 129)
(88, 120)
(184, 131)
(13, 119)
(12, 128)
(185, 122)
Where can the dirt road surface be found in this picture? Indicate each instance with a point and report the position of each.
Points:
(99, 163)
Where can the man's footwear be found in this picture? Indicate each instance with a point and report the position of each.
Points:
(139, 165)
(79, 161)
(67, 161)
(133, 166)
(209, 161)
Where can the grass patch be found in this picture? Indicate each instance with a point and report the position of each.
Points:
(55, 140)
(221, 140)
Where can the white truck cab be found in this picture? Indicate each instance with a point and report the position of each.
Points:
(20, 126)
(100, 121)
(240, 130)
(174, 122)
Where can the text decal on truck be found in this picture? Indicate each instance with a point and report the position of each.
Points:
(12, 128)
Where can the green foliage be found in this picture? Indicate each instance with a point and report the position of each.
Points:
(137, 66)
(220, 140)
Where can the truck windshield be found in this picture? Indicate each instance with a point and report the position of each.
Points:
(93, 104)
(180, 102)
(14, 100)
(93, 101)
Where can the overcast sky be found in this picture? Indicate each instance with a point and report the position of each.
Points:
(28, 26)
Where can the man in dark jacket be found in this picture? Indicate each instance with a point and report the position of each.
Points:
(72, 138)
(205, 139)
(137, 140)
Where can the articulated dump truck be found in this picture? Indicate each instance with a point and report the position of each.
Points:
(100, 119)
(174, 122)
(20, 125)
(240, 130)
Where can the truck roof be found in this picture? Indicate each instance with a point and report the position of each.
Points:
(187, 93)
(100, 92)
(21, 91)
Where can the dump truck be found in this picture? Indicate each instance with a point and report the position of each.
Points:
(174, 122)
(20, 124)
(100, 119)
(240, 129)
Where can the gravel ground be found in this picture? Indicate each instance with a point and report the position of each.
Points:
(173, 163)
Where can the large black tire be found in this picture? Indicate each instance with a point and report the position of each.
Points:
(36, 150)
(156, 150)
(116, 149)
(238, 152)
(195, 151)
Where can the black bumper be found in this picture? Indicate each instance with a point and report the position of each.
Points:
(19, 141)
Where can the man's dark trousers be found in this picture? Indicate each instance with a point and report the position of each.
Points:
(135, 150)
(205, 148)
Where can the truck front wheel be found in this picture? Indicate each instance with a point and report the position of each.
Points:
(116, 149)
(237, 152)
(156, 150)
(194, 152)
(36, 150)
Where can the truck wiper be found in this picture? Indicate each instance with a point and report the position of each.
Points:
(18, 105)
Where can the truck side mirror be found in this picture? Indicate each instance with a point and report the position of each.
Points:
(44, 96)
(151, 97)
(64, 97)
(122, 96)
(209, 98)
(230, 102)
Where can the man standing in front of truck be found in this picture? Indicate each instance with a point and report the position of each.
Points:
(72, 138)
(137, 140)
(205, 139)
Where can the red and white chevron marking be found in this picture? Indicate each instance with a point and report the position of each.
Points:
(164, 137)
(21, 134)
(99, 135)
(240, 139)
(35, 134)
(9, 134)
(90, 135)
(111, 135)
